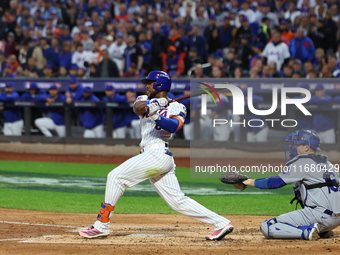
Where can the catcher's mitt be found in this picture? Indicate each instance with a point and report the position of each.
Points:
(234, 178)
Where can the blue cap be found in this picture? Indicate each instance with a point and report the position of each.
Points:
(80, 17)
(183, 27)
(305, 86)
(88, 89)
(33, 85)
(265, 4)
(227, 17)
(131, 89)
(95, 24)
(109, 87)
(319, 87)
(259, 45)
(120, 35)
(53, 86)
(73, 80)
(74, 67)
(189, 28)
(84, 32)
(9, 85)
(212, 17)
(187, 87)
(244, 19)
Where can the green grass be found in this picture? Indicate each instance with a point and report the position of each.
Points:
(55, 192)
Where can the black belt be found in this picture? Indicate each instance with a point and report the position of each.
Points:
(166, 145)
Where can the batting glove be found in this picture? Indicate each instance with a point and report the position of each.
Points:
(152, 108)
(163, 102)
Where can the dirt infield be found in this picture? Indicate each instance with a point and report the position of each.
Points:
(32, 232)
(27, 232)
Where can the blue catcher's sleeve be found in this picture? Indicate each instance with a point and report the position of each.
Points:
(273, 182)
(169, 124)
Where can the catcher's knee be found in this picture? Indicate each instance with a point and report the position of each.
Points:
(264, 228)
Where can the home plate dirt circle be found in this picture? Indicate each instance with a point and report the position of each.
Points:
(32, 232)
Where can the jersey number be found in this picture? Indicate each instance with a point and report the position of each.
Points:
(164, 113)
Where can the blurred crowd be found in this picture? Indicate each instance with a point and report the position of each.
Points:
(185, 38)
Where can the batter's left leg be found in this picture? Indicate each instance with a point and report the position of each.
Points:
(168, 188)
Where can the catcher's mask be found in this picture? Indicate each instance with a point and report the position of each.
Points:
(300, 137)
(290, 147)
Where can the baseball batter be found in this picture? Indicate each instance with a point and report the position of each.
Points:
(159, 120)
(316, 188)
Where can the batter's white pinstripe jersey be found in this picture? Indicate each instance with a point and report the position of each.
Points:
(151, 133)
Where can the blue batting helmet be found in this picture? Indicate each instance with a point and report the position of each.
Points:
(301, 137)
(161, 79)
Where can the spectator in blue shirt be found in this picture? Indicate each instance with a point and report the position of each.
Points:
(301, 46)
(65, 56)
(145, 45)
(198, 41)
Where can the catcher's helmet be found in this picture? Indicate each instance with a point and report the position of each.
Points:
(161, 79)
(301, 137)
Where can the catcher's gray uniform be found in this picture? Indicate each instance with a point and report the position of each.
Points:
(317, 189)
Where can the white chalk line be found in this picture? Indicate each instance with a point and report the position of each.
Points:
(8, 240)
(37, 224)
(206, 243)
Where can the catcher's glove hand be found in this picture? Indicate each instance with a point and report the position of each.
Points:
(234, 178)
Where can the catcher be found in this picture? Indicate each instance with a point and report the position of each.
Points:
(316, 189)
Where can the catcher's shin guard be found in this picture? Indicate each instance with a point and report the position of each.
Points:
(105, 212)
